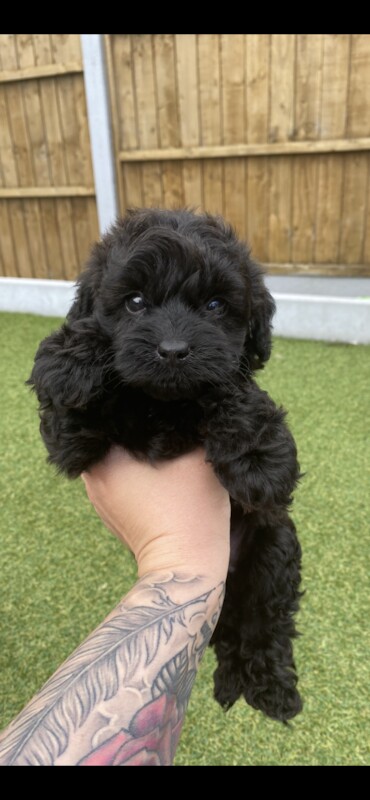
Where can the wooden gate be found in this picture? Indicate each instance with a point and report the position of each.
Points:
(272, 131)
(47, 204)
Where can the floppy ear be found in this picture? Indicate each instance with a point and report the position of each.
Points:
(70, 364)
(89, 282)
(257, 347)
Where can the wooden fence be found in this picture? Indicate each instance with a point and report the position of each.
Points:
(47, 204)
(270, 130)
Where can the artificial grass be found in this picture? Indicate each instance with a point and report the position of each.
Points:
(62, 573)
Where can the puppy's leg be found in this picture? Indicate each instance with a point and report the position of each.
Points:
(254, 455)
(251, 449)
(253, 639)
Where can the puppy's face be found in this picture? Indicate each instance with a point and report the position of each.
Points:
(177, 317)
(184, 306)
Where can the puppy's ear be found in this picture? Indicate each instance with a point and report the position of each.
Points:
(70, 366)
(89, 282)
(257, 348)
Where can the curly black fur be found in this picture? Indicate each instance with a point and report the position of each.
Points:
(171, 369)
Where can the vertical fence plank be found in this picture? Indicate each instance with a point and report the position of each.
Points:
(304, 208)
(280, 206)
(152, 184)
(143, 69)
(172, 184)
(133, 185)
(8, 252)
(359, 86)
(52, 239)
(210, 88)
(257, 51)
(335, 71)
(328, 208)
(233, 96)
(123, 77)
(213, 185)
(258, 207)
(282, 69)
(166, 92)
(354, 206)
(281, 127)
(188, 97)
(170, 176)
(35, 237)
(307, 88)
(187, 81)
(8, 173)
(257, 120)
(366, 240)
(211, 118)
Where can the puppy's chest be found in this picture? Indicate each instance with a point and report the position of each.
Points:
(152, 428)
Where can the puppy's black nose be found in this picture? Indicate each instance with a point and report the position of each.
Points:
(174, 350)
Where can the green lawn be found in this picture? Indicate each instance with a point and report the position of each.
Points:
(62, 573)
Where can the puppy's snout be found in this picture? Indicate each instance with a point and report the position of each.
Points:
(175, 350)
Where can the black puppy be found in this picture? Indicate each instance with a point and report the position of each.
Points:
(171, 320)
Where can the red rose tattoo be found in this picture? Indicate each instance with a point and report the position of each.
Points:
(151, 738)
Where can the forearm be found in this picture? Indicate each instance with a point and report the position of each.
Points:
(121, 697)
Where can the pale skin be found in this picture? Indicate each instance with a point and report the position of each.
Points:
(121, 697)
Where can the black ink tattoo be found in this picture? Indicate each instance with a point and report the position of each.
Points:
(122, 693)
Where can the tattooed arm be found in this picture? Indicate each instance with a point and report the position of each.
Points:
(121, 698)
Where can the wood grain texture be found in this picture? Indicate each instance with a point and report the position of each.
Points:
(335, 72)
(133, 185)
(172, 184)
(166, 90)
(240, 150)
(358, 115)
(328, 208)
(280, 208)
(257, 66)
(304, 208)
(258, 203)
(188, 87)
(211, 120)
(282, 75)
(213, 186)
(271, 130)
(307, 85)
(354, 208)
(45, 160)
(146, 101)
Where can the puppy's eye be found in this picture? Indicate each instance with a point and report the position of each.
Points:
(216, 305)
(135, 303)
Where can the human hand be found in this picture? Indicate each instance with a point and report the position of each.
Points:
(172, 515)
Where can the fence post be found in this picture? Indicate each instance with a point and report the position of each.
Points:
(98, 109)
